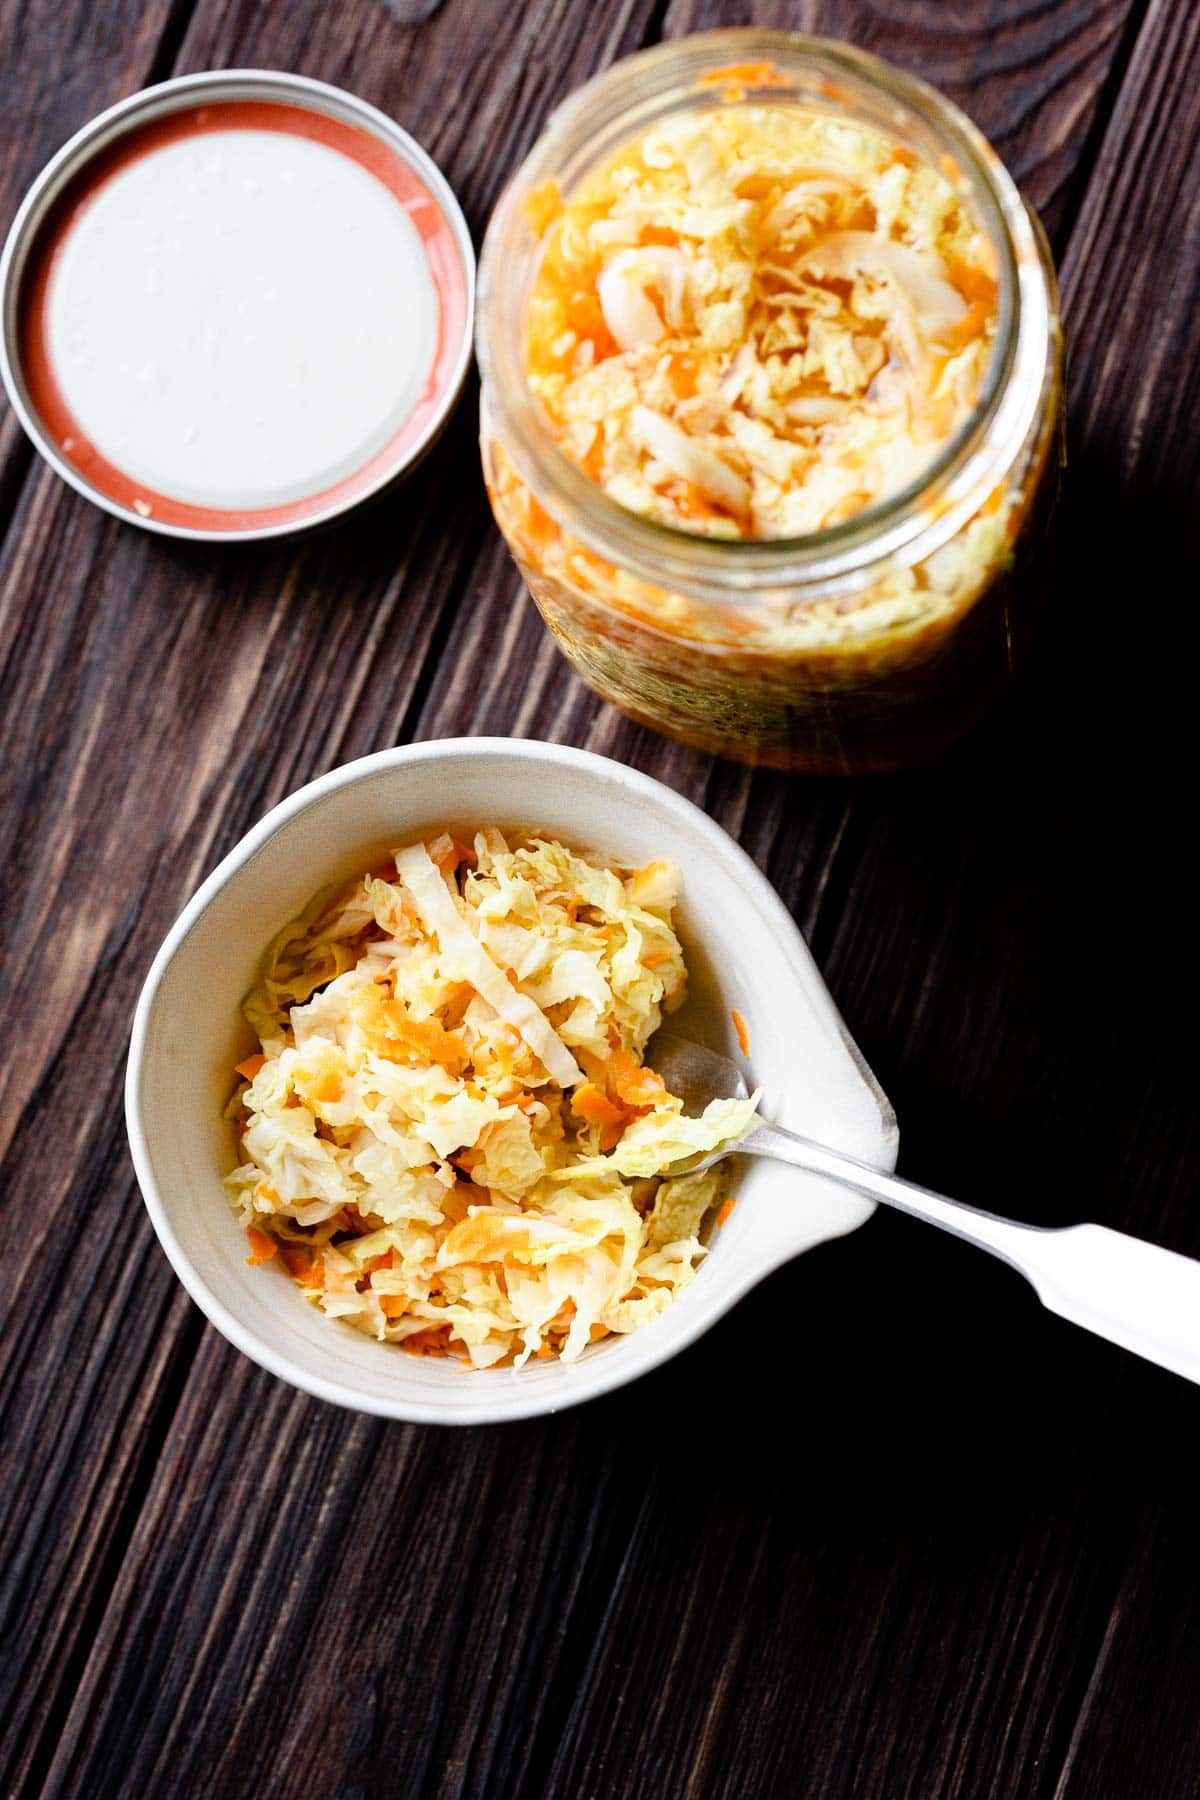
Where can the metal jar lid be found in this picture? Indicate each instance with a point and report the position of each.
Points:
(236, 305)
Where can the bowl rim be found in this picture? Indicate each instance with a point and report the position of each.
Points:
(592, 1377)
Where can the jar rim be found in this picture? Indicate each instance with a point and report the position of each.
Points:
(627, 99)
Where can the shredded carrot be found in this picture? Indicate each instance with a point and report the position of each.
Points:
(693, 504)
(249, 1069)
(586, 319)
(597, 1108)
(542, 207)
(262, 1247)
(743, 1036)
(681, 373)
(642, 880)
(971, 324)
(656, 959)
(434, 1342)
(726, 1212)
(663, 235)
(393, 1306)
(303, 1267)
(425, 1037)
(328, 1088)
(458, 1199)
(403, 1039)
(904, 156)
(972, 282)
(447, 852)
(759, 74)
(758, 187)
(540, 528)
(632, 1084)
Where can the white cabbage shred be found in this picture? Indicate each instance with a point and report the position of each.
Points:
(449, 1137)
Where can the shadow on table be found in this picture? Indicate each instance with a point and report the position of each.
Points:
(898, 1369)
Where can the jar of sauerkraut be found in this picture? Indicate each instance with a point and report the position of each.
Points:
(771, 394)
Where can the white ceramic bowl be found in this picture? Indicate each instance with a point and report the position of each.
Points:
(742, 950)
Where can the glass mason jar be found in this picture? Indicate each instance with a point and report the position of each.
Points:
(868, 645)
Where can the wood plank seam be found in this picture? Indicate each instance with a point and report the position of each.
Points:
(33, 1760)
(1093, 143)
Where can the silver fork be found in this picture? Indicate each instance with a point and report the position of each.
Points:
(1136, 1294)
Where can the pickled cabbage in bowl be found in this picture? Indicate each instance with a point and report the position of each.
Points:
(449, 1136)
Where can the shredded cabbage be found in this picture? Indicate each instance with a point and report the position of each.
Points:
(471, 962)
(756, 321)
(449, 1137)
(663, 1137)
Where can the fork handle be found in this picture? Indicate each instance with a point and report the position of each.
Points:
(1138, 1295)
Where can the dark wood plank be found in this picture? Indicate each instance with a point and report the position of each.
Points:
(1136, 1731)
(915, 1557)
(175, 694)
(54, 78)
(1139, 455)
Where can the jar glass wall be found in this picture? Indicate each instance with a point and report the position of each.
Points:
(869, 644)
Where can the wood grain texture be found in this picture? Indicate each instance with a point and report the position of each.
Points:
(175, 697)
(942, 1544)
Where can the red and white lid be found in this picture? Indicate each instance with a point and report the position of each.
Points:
(236, 304)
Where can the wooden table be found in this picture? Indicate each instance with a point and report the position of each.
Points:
(890, 1530)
